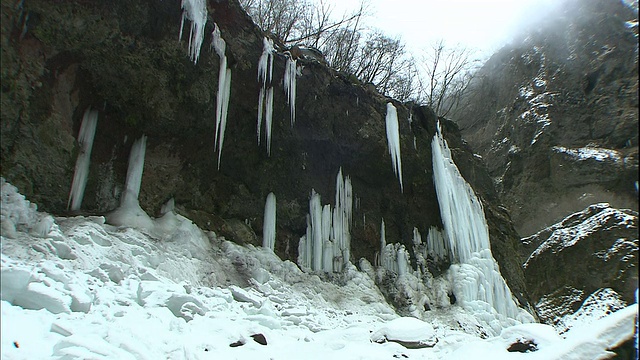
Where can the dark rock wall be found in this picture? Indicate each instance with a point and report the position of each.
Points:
(123, 59)
(572, 82)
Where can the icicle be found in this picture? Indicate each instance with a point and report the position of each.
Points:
(265, 72)
(196, 12)
(477, 282)
(290, 72)
(417, 239)
(135, 169)
(81, 174)
(403, 260)
(269, 223)
(315, 212)
(383, 240)
(224, 90)
(393, 140)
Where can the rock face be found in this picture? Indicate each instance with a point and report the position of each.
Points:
(123, 59)
(556, 115)
(588, 251)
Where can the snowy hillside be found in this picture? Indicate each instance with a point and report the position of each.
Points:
(77, 288)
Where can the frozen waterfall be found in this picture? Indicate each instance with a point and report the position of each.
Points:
(196, 12)
(81, 174)
(475, 276)
(224, 89)
(265, 99)
(393, 139)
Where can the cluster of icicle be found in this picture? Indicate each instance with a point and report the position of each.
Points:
(265, 99)
(325, 247)
(81, 174)
(393, 140)
(196, 12)
(224, 89)
(290, 73)
(476, 279)
(393, 257)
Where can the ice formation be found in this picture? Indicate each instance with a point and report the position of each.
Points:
(265, 73)
(196, 12)
(393, 139)
(325, 246)
(269, 224)
(290, 73)
(81, 174)
(130, 213)
(224, 89)
(476, 279)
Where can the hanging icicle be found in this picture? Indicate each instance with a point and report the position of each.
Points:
(265, 72)
(224, 89)
(290, 73)
(81, 174)
(393, 140)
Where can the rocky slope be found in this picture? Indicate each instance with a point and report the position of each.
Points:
(579, 257)
(123, 59)
(555, 115)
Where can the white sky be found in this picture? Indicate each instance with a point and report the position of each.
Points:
(485, 25)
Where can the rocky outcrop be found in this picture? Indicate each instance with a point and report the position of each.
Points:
(587, 252)
(555, 115)
(123, 59)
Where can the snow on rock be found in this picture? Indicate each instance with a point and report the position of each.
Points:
(590, 152)
(577, 227)
(409, 332)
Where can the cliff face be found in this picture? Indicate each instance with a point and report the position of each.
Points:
(124, 60)
(556, 115)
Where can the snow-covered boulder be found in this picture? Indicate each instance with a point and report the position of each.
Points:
(409, 332)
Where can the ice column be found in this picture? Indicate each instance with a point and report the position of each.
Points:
(196, 12)
(134, 171)
(265, 73)
(224, 89)
(393, 139)
(269, 223)
(476, 279)
(290, 72)
(326, 244)
(81, 174)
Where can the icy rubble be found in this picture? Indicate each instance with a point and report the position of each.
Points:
(91, 290)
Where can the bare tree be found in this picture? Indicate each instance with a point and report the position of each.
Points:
(449, 72)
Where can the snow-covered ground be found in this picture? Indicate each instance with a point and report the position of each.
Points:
(78, 288)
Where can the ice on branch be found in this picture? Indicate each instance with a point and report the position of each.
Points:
(196, 12)
(224, 89)
(475, 277)
(269, 223)
(393, 139)
(81, 174)
(265, 73)
(325, 247)
(290, 73)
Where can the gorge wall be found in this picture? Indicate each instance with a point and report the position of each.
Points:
(123, 59)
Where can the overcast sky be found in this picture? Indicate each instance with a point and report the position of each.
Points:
(484, 25)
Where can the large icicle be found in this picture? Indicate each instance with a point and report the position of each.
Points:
(196, 12)
(290, 72)
(269, 223)
(81, 174)
(265, 73)
(135, 169)
(393, 139)
(224, 89)
(476, 279)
